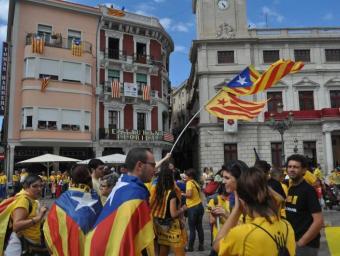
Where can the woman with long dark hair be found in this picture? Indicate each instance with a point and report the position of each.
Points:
(265, 227)
(167, 212)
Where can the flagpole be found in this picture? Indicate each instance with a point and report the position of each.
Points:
(201, 108)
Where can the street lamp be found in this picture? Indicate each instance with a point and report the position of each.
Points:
(296, 145)
(281, 123)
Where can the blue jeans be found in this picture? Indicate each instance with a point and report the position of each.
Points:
(306, 251)
(195, 217)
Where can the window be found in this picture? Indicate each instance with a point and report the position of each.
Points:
(335, 98)
(113, 75)
(45, 32)
(73, 35)
(225, 57)
(71, 120)
(230, 152)
(306, 100)
(47, 118)
(309, 150)
(113, 119)
(49, 68)
(113, 49)
(141, 79)
(276, 148)
(141, 121)
(72, 71)
(302, 55)
(88, 71)
(27, 118)
(275, 98)
(141, 52)
(332, 55)
(87, 121)
(30, 67)
(271, 56)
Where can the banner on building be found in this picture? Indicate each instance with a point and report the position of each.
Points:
(3, 86)
(130, 89)
(230, 125)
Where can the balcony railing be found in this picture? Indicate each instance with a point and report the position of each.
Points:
(115, 54)
(136, 135)
(59, 42)
(108, 89)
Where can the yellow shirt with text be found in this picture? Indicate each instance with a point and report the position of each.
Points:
(195, 199)
(249, 240)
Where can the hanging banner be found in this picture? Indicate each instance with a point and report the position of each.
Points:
(3, 86)
(130, 89)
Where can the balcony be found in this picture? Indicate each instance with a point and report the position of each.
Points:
(107, 89)
(308, 114)
(134, 135)
(59, 42)
(115, 54)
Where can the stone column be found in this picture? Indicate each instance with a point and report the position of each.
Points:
(329, 151)
(10, 161)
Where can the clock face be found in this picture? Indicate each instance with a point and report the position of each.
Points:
(223, 4)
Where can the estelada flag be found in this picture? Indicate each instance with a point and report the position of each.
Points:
(227, 106)
(124, 227)
(6, 208)
(71, 217)
(269, 78)
(38, 44)
(77, 48)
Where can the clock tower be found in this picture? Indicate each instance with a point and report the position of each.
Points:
(220, 19)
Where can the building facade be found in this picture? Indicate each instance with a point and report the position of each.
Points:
(225, 46)
(133, 92)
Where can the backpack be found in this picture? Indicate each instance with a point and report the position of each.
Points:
(211, 188)
(281, 242)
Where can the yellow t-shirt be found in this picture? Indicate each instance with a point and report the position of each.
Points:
(249, 240)
(3, 179)
(285, 188)
(223, 203)
(23, 176)
(318, 173)
(196, 198)
(15, 178)
(310, 178)
(33, 232)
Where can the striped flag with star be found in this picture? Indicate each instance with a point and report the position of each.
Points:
(227, 106)
(269, 78)
(71, 217)
(124, 227)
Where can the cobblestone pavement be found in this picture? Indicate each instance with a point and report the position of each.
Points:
(332, 218)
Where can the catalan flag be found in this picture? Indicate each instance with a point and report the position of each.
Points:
(270, 77)
(227, 106)
(77, 48)
(243, 82)
(125, 226)
(71, 217)
(146, 92)
(38, 44)
(44, 83)
(115, 89)
(115, 12)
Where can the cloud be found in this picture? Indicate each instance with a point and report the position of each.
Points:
(182, 27)
(144, 9)
(3, 32)
(180, 48)
(271, 13)
(4, 9)
(328, 16)
(159, 1)
(166, 22)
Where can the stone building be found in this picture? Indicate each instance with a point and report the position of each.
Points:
(225, 45)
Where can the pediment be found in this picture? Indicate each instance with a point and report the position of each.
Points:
(306, 82)
(335, 81)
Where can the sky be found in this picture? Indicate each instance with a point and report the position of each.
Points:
(178, 20)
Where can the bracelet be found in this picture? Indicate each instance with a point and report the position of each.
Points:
(33, 222)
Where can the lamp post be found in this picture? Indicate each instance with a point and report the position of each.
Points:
(281, 124)
(296, 145)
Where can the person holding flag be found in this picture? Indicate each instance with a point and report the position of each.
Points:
(125, 226)
(72, 215)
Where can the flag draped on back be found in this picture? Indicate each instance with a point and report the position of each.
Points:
(77, 48)
(225, 105)
(115, 89)
(71, 217)
(270, 77)
(146, 92)
(124, 227)
(38, 44)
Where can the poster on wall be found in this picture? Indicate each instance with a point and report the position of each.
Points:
(130, 89)
(3, 85)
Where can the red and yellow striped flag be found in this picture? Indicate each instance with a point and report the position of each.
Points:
(146, 92)
(44, 83)
(270, 77)
(38, 44)
(227, 106)
(115, 89)
(115, 12)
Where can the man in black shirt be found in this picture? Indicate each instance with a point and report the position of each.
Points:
(303, 209)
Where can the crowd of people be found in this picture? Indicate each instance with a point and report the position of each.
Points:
(149, 208)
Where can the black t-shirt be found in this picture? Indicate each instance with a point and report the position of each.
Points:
(301, 203)
(277, 187)
(171, 196)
